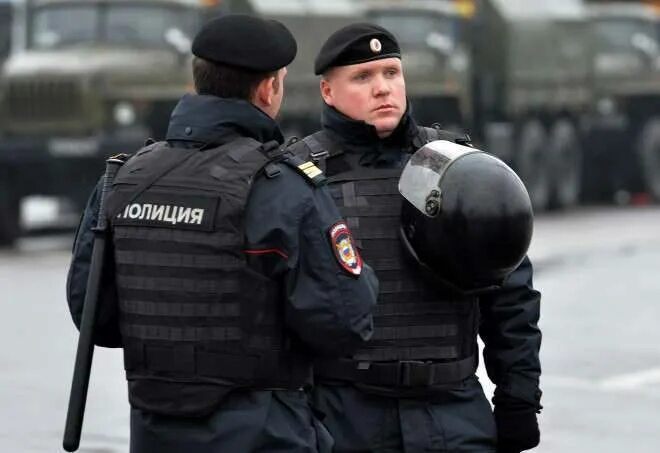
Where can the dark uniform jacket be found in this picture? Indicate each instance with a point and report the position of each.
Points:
(326, 309)
(419, 410)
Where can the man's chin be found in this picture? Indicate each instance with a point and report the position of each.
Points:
(385, 127)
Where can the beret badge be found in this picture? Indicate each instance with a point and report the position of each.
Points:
(375, 45)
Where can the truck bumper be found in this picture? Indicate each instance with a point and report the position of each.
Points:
(63, 166)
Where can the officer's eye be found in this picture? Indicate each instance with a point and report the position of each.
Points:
(361, 77)
(391, 72)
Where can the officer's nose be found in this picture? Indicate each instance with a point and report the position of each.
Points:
(381, 87)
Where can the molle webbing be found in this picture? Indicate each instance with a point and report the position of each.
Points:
(415, 320)
(191, 309)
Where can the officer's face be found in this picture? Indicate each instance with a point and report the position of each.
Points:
(373, 92)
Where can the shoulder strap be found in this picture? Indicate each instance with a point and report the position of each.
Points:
(241, 147)
(161, 170)
(430, 134)
(319, 148)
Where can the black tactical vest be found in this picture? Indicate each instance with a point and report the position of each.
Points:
(192, 312)
(423, 335)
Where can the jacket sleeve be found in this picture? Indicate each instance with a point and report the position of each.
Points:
(511, 336)
(106, 330)
(325, 306)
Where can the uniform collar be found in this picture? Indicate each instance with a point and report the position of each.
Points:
(211, 120)
(360, 136)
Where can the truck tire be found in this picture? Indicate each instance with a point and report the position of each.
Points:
(531, 163)
(9, 217)
(566, 165)
(648, 150)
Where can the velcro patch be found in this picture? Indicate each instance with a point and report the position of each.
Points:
(344, 248)
(188, 212)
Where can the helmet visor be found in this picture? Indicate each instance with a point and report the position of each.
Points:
(420, 180)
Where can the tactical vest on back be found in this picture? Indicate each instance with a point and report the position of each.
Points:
(192, 312)
(423, 335)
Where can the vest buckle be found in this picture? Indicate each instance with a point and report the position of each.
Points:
(414, 373)
(317, 156)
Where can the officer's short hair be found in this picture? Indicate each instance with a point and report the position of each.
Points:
(226, 81)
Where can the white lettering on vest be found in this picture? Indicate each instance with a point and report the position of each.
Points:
(163, 213)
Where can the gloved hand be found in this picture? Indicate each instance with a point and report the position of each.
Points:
(517, 427)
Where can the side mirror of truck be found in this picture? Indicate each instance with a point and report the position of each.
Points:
(179, 41)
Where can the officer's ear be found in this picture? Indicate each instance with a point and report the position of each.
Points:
(326, 89)
(267, 90)
(264, 93)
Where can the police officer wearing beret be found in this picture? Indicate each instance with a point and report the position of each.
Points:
(413, 386)
(231, 266)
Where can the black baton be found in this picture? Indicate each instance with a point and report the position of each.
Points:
(85, 352)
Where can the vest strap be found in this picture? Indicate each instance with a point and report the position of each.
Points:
(398, 374)
(162, 170)
(277, 370)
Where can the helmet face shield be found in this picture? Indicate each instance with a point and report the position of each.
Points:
(466, 214)
(420, 181)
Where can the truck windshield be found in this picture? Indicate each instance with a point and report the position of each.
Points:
(433, 31)
(626, 36)
(143, 25)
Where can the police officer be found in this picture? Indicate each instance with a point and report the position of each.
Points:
(231, 266)
(413, 386)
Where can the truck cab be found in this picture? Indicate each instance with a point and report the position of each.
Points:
(93, 78)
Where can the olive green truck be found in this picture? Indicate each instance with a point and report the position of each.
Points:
(566, 91)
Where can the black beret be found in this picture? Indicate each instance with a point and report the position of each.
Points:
(247, 42)
(356, 43)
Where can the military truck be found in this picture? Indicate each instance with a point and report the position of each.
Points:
(97, 77)
(311, 22)
(94, 78)
(514, 73)
(6, 15)
(626, 83)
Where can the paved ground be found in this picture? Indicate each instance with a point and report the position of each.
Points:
(599, 271)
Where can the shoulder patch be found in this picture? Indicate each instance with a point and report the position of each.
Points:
(308, 169)
(344, 248)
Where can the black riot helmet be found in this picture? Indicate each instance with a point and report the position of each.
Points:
(466, 215)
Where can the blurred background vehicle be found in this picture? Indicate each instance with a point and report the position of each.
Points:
(6, 13)
(626, 97)
(90, 79)
(565, 91)
(97, 77)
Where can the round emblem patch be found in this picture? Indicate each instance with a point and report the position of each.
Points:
(375, 45)
(345, 250)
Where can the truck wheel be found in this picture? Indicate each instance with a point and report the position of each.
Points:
(9, 217)
(531, 163)
(648, 150)
(566, 165)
